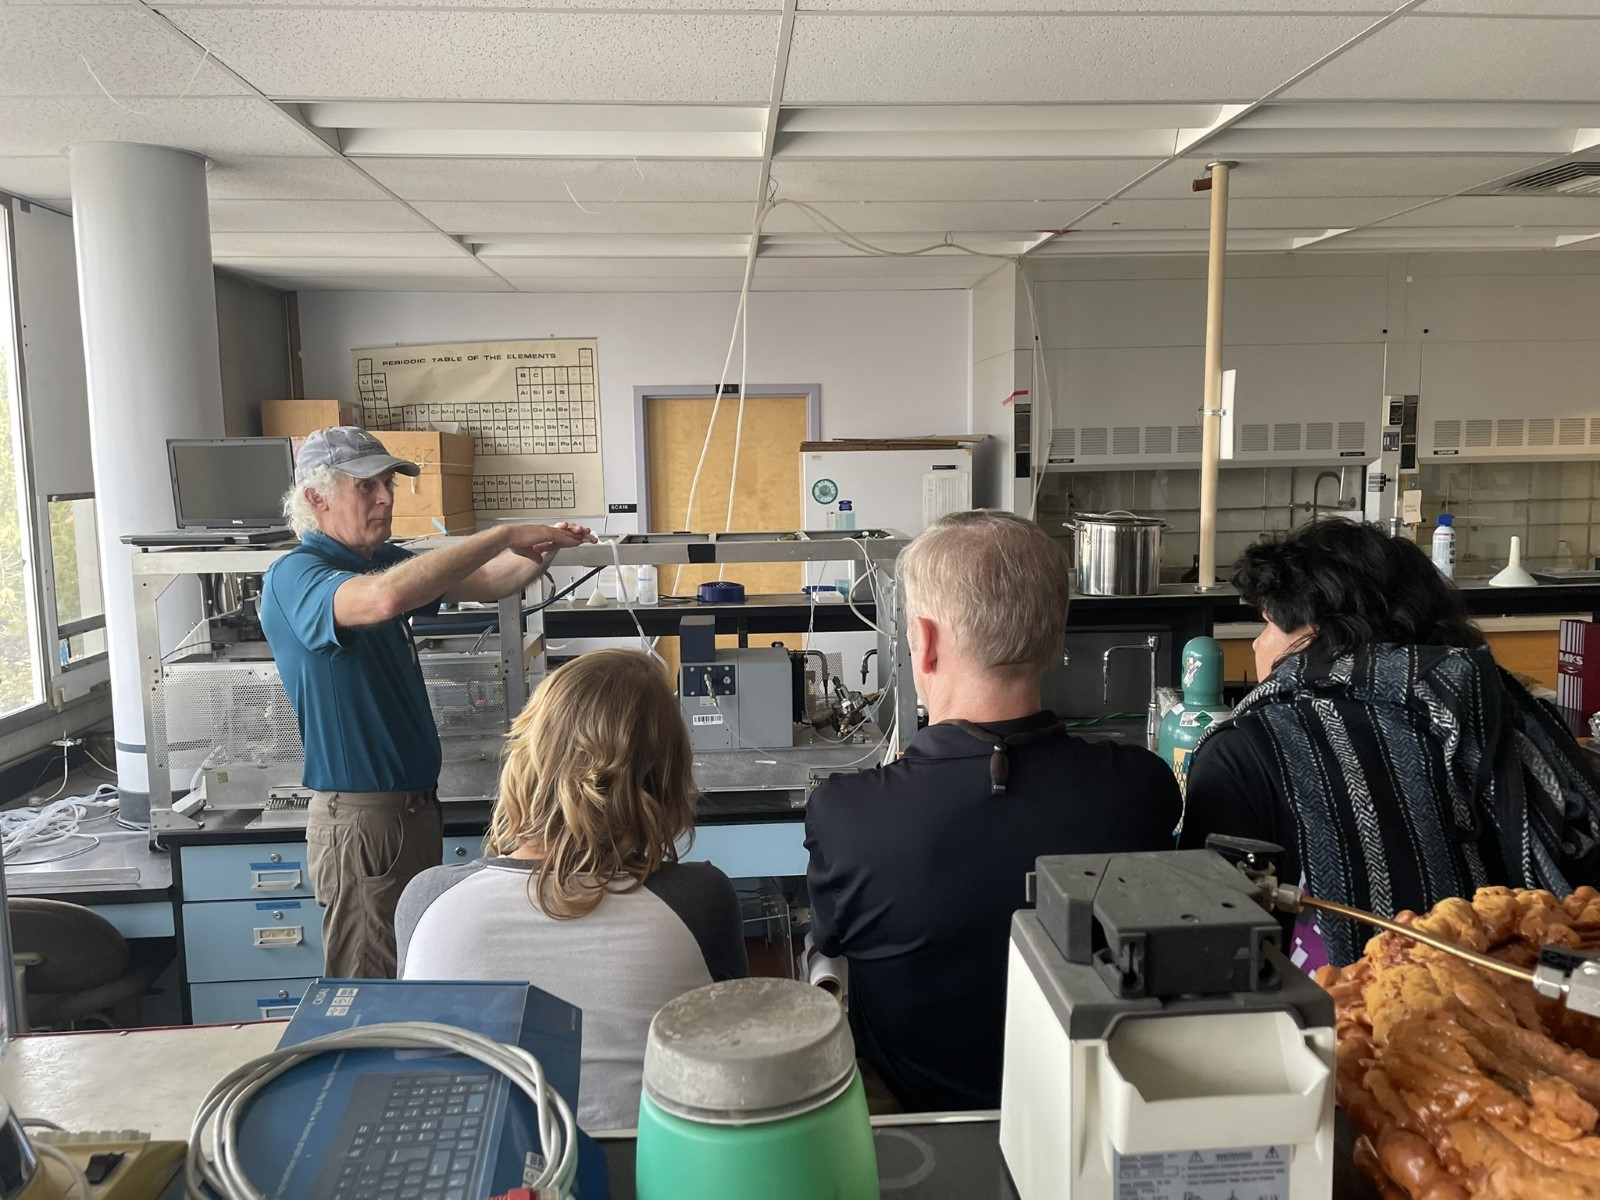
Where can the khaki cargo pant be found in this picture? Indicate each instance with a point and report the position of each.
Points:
(363, 848)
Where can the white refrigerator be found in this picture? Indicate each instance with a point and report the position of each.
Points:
(903, 489)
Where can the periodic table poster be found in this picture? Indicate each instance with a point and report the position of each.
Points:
(532, 409)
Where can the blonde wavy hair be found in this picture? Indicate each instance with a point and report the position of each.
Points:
(598, 778)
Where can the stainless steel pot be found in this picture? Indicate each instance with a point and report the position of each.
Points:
(1116, 553)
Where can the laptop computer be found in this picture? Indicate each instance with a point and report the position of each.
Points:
(226, 491)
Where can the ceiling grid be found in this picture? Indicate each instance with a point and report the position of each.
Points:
(623, 145)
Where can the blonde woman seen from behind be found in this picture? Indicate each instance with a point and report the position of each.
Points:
(581, 892)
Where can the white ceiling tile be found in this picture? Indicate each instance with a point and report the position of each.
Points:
(1465, 58)
(1222, 7)
(1195, 213)
(1504, 211)
(380, 246)
(1360, 176)
(507, 54)
(61, 51)
(1041, 59)
(1083, 179)
(327, 177)
(1513, 8)
(223, 127)
(567, 217)
(314, 216)
(594, 184)
(47, 180)
(557, 6)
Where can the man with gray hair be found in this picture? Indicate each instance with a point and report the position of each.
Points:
(336, 610)
(917, 867)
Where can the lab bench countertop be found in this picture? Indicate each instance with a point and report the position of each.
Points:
(233, 827)
(121, 868)
(468, 818)
(154, 1080)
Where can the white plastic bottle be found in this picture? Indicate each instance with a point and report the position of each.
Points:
(649, 588)
(1444, 546)
(845, 518)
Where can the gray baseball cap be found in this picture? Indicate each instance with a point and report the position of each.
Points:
(350, 451)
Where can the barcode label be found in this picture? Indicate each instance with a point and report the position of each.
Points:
(708, 718)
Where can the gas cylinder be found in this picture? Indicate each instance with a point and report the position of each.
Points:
(1186, 723)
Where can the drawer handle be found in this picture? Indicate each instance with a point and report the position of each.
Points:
(279, 937)
(287, 879)
(276, 1012)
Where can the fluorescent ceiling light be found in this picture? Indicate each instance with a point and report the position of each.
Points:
(445, 129)
(939, 131)
(608, 245)
(1410, 128)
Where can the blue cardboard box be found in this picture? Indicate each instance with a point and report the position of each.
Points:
(412, 1124)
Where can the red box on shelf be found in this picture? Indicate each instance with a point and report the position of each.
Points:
(1578, 667)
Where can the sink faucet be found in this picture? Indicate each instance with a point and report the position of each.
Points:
(1151, 646)
(1316, 492)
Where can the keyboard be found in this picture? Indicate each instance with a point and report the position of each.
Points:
(410, 1137)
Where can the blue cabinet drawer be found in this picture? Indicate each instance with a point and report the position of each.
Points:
(253, 1000)
(257, 870)
(458, 850)
(252, 939)
(752, 851)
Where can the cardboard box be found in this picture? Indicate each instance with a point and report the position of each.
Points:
(457, 524)
(432, 494)
(1578, 667)
(297, 418)
(447, 453)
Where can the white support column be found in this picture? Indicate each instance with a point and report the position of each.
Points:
(149, 305)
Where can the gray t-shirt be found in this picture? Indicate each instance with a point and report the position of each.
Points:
(619, 964)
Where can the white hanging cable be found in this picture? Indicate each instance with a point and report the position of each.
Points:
(225, 1175)
(1043, 412)
(645, 642)
(722, 379)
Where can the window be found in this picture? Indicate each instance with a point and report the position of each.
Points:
(21, 679)
(75, 577)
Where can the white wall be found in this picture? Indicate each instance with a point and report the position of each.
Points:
(1319, 338)
(888, 362)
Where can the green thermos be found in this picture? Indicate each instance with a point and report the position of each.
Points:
(1186, 723)
(751, 1090)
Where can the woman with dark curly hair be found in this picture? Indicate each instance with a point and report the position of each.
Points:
(1384, 749)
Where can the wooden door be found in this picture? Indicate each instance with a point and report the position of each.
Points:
(768, 497)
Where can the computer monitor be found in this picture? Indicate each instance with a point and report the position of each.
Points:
(230, 483)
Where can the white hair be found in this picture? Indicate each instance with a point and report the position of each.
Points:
(297, 506)
(997, 582)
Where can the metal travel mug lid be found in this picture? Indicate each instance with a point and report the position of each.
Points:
(748, 1051)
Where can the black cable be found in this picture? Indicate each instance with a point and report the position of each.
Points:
(443, 629)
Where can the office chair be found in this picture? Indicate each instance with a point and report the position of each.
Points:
(74, 965)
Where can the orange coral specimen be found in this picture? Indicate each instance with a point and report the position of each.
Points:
(1465, 1084)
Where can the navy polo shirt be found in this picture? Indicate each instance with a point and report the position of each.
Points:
(358, 693)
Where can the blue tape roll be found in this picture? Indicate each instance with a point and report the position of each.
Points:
(721, 593)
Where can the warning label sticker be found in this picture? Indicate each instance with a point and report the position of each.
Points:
(1237, 1173)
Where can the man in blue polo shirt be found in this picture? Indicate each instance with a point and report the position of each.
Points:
(335, 610)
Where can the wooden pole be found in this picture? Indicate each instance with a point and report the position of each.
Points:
(1211, 412)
